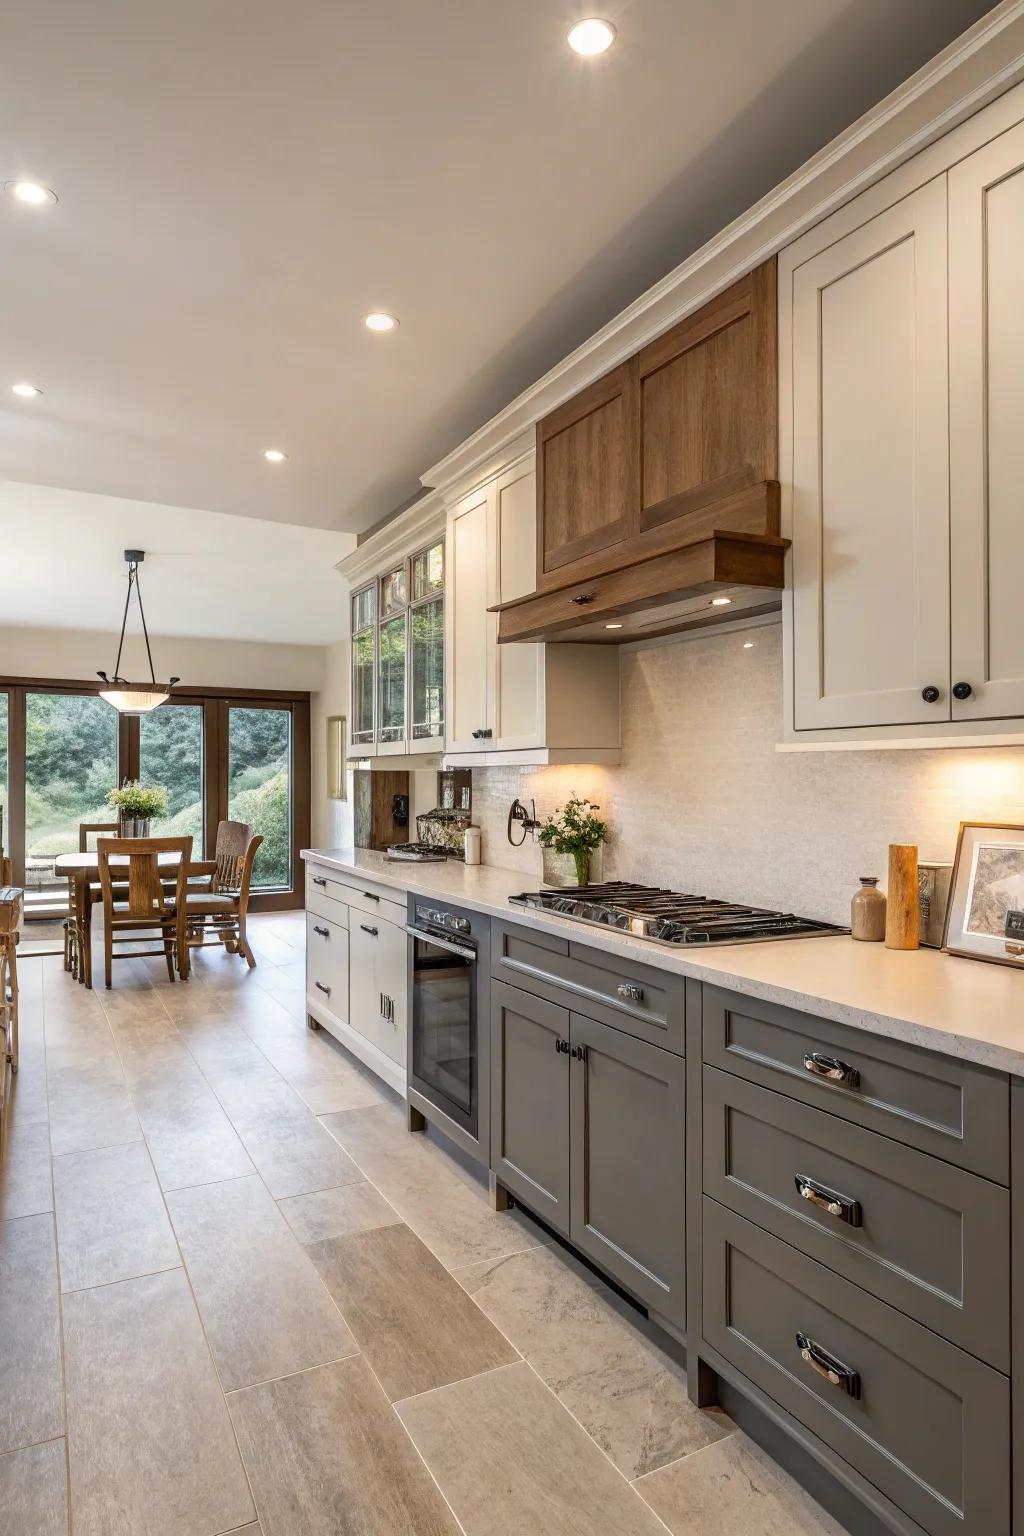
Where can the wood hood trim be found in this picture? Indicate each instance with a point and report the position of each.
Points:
(705, 565)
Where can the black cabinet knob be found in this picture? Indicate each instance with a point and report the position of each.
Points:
(962, 690)
(583, 599)
(931, 694)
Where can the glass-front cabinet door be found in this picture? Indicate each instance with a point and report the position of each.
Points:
(391, 682)
(426, 647)
(364, 665)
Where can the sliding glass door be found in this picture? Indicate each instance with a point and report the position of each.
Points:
(171, 754)
(260, 787)
(71, 765)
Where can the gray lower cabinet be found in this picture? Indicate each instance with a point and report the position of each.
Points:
(923, 1421)
(627, 1123)
(530, 1101)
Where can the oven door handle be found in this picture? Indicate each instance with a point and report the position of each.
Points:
(430, 938)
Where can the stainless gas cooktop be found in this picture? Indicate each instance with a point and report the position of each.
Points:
(667, 917)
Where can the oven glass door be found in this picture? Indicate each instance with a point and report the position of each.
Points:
(445, 1063)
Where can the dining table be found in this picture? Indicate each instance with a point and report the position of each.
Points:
(82, 871)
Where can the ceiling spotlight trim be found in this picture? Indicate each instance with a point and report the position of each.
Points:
(275, 455)
(591, 36)
(135, 698)
(22, 185)
(26, 391)
(380, 321)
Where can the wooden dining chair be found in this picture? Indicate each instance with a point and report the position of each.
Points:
(136, 900)
(73, 939)
(220, 905)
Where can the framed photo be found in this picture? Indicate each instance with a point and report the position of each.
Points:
(985, 918)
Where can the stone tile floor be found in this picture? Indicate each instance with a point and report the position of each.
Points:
(237, 1296)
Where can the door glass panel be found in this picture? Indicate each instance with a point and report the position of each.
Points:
(260, 787)
(362, 687)
(428, 571)
(70, 767)
(364, 607)
(171, 754)
(394, 592)
(392, 680)
(5, 830)
(428, 669)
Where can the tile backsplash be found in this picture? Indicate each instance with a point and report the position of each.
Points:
(703, 802)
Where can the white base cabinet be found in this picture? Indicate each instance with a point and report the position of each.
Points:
(357, 968)
(902, 396)
(522, 703)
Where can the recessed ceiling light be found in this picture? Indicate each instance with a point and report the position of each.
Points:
(31, 192)
(748, 645)
(720, 602)
(378, 320)
(591, 36)
(25, 391)
(613, 626)
(274, 455)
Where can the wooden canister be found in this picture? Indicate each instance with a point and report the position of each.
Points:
(903, 911)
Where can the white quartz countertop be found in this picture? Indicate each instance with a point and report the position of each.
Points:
(963, 1008)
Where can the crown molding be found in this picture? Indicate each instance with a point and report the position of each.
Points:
(977, 67)
(416, 526)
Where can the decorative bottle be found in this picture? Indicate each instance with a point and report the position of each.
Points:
(867, 911)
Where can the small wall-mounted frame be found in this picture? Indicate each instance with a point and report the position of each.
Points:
(336, 776)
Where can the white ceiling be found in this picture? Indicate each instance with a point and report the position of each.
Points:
(241, 180)
(205, 573)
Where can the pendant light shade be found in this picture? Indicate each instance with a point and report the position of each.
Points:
(134, 698)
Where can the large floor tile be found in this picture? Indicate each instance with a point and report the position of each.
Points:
(328, 1457)
(508, 1457)
(90, 1107)
(264, 1307)
(575, 1332)
(191, 1140)
(111, 1220)
(34, 1491)
(442, 1202)
(733, 1487)
(150, 1443)
(26, 1188)
(415, 1324)
(31, 1402)
(295, 1156)
(338, 1212)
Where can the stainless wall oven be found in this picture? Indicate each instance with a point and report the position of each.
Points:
(449, 1027)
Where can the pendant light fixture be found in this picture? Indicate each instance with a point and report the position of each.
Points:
(134, 698)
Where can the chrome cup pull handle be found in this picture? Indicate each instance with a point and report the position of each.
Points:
(828, 1200)
(631, 992)
(324, 933)
(827, 1366)
(832, 1069)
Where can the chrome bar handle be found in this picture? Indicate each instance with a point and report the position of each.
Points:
(631, 992)
(828, 1200)
(827, 1366)
(832, 1069)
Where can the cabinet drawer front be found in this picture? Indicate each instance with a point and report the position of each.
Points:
(954, 1109)
(379, 986)
(530, 1101)
(327, 964)
(326, 896)
(928, 1424)
(645, 1002)
(628, 1133)
(932, 1240)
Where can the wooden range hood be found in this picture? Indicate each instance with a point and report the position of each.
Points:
(657, 485)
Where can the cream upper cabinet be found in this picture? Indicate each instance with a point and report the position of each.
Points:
(526, 703)
(870, 497)
(986, 428)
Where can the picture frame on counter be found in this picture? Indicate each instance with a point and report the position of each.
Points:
(985, 918)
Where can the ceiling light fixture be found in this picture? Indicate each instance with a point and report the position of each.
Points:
(134, 698)
(591, 37)
(25, 391)
(748, 645)
(720, 602)
(31, 192)
(274, 455)
(613, 626)
(379, 320)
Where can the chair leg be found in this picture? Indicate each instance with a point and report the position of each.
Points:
(13, 985)
(169, 956)
(243, 945)
(108, 958)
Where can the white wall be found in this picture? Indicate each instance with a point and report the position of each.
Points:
(702, 801)
(331, 819)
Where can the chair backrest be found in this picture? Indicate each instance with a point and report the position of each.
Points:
(233, 838)
(251, 851)
(85, 828)
(142, 895)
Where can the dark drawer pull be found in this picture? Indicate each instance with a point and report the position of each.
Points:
(828, 1200)
(831, 1069)
(578, 1052)
(583, 599)
(370, 896)
(631, 992)
(371, 931)
(317, 880)
(324, 933)
(834, 1371)
(321, 988)
(561, 1045)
